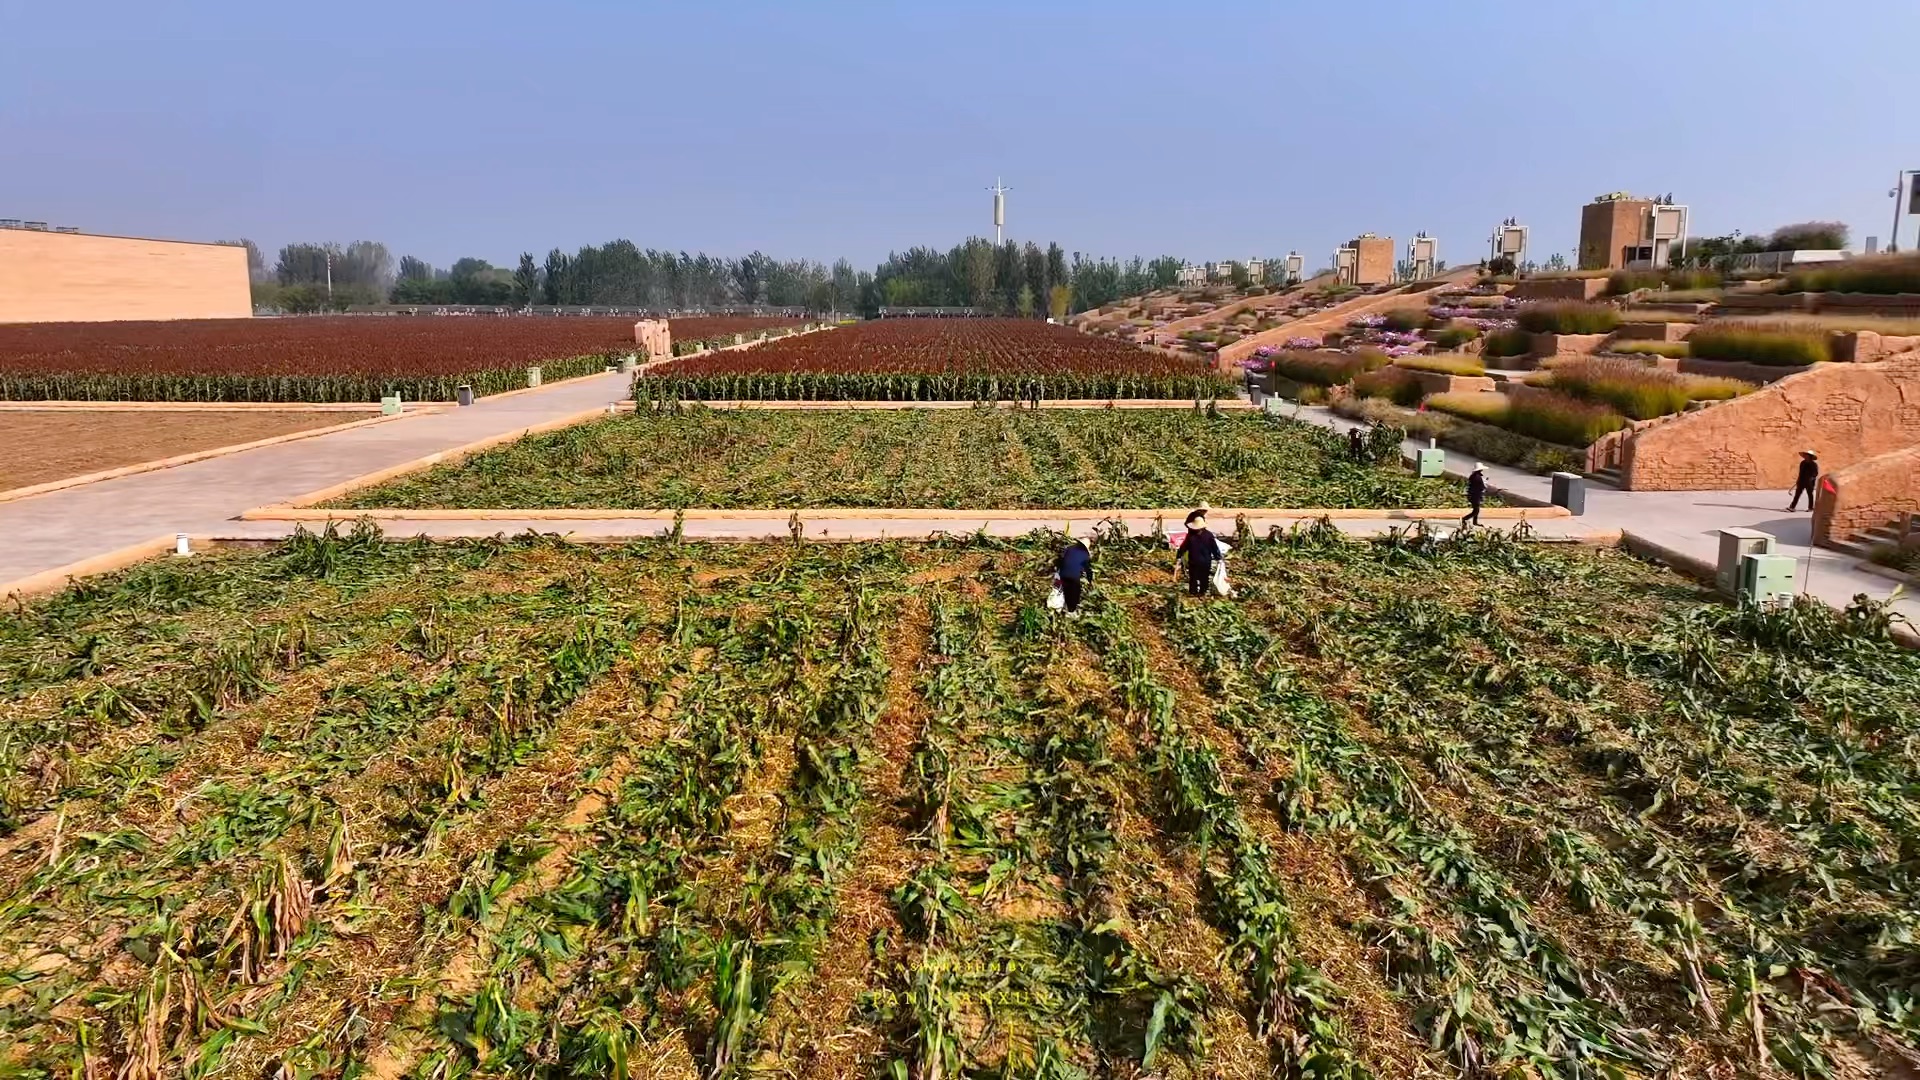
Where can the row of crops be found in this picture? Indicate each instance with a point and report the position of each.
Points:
(980, 457)
(1410, 807)
(935, 360)
(341, 359)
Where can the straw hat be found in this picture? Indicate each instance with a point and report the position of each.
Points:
(1479, 467)
(1198, 523)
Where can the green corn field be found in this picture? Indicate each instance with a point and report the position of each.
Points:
(1408, 807)
(981, 457)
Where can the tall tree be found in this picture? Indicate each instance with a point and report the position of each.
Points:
(978, 263)
(559, 277)
(412, 269)
(526, 280)
(256, 262)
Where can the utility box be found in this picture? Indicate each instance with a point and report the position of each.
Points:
(1766, 579)
(1431, 461)
(1736, 544)
(1570, 491)
(390, 405)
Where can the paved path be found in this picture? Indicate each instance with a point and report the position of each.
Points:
(61, 527)
(1686, 523)
(203, 498)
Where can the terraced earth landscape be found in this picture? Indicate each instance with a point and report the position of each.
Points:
(1410, 807)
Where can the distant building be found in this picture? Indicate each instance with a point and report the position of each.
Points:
(1191, 274)
(1256, 271)
(1366, 260)
(1618, 231)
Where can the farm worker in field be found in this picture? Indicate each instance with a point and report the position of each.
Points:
(1476, 494)
(1199, 549)
(1803, 483)
(1074, 571)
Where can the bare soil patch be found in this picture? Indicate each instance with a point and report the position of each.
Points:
(38, 447)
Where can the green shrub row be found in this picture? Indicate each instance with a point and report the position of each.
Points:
(1638, 391)
(1444, 364)
(1482, 442)
(1507, 343)
(1652, 348)
(1884, 275)
(1327, 368)
(1622, 282)
(1778, 348)
(1396, 384)
(1568, 317)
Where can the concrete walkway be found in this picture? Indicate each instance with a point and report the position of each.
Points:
(1681, 524)
(204, 498)
(52, 530)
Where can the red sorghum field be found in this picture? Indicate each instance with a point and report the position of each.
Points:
(346, 358)
(935, 360)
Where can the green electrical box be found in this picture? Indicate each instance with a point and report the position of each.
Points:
(1432, 461)
(1766, 579)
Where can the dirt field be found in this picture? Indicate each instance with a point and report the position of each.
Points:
(36, 447)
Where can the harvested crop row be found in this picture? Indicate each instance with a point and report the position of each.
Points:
(1406, 807)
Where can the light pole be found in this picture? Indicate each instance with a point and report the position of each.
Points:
(329, 278)
(1893, 242)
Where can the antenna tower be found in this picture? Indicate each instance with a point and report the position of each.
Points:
(999, 208)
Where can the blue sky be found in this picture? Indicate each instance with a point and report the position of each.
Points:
(831, 129)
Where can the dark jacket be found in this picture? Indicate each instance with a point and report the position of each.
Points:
(1075, 563)
(1809, 472)
(1200, 549)
(1476, 486)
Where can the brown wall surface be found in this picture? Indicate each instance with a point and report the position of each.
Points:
(76, 277)
(1867, 495)
(1845, 413)
(1373, 260)
(1606, 227)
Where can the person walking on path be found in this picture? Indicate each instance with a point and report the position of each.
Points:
(1200, 549)
(1803, 483)
(1476, 494)
(1074, 568)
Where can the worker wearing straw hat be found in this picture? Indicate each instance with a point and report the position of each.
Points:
(1200, 549)
(1803, 483)
(1476, 494)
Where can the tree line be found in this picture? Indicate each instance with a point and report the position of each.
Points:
(1006, 279)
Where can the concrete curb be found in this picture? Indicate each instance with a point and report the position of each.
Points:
(199, 455)
(296, 512)
(200, 406)
(58, 578)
